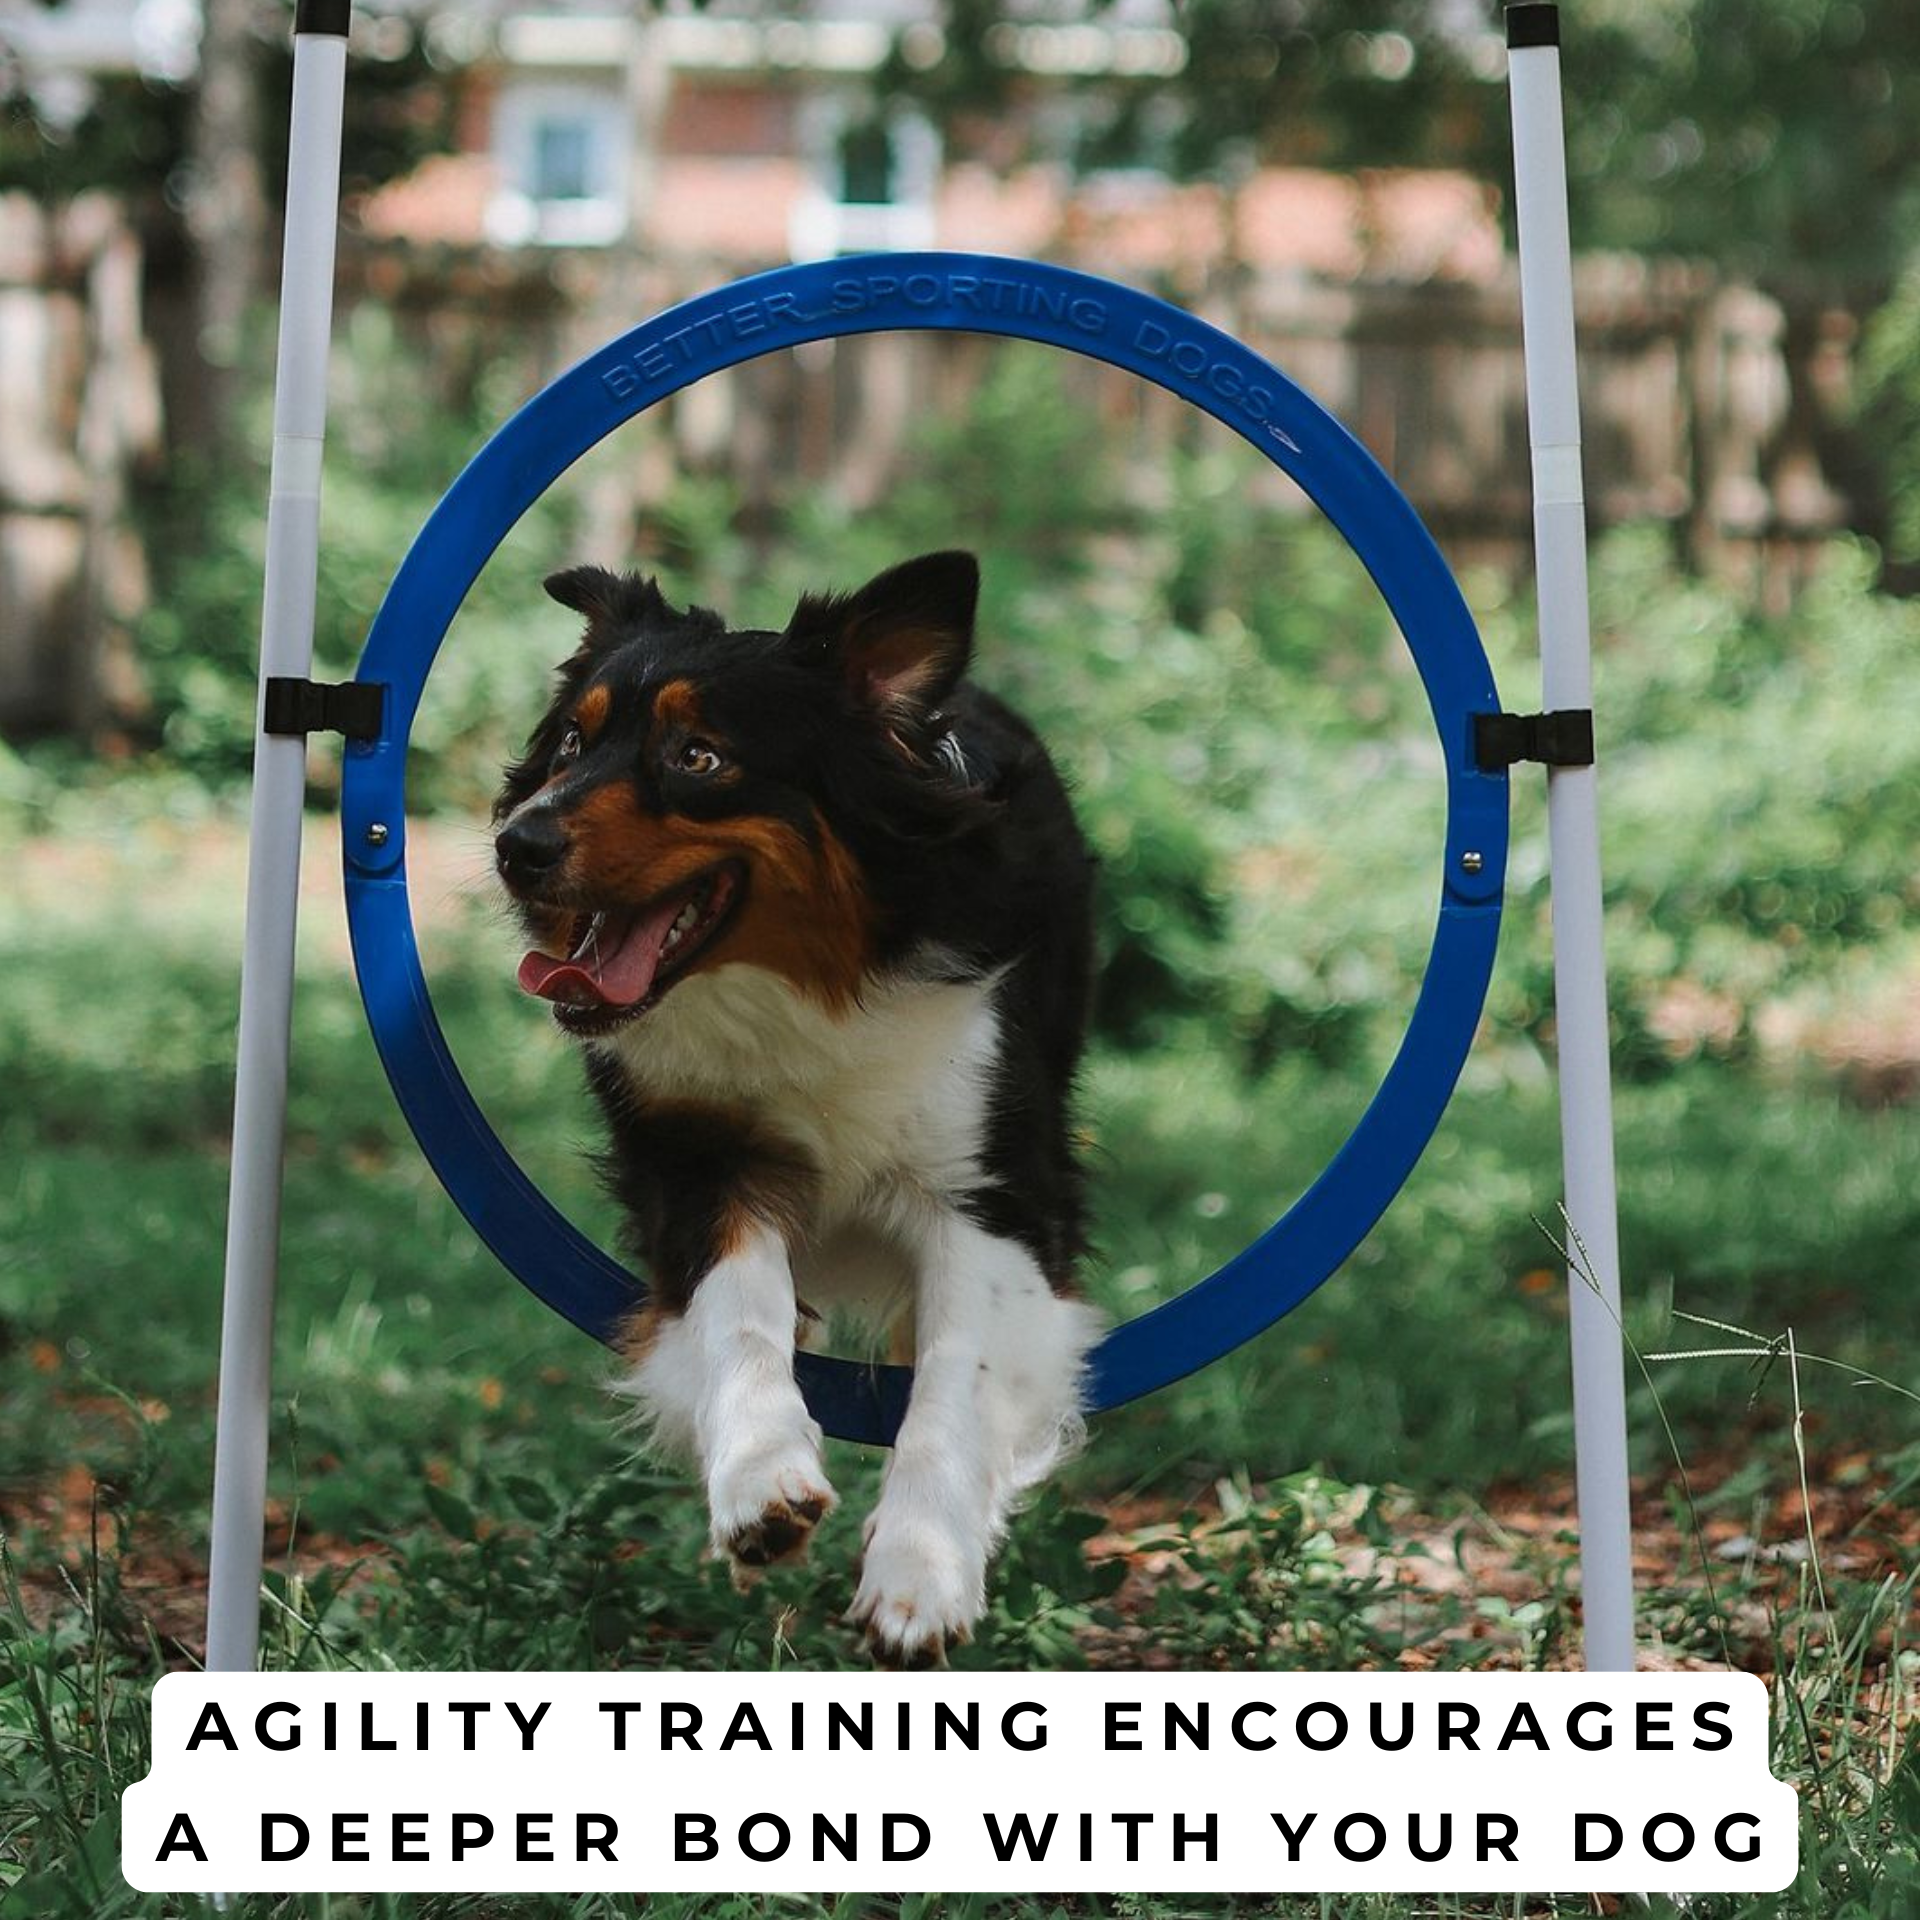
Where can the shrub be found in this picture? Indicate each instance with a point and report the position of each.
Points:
(392, 449)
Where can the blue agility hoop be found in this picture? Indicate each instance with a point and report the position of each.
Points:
(958, 293)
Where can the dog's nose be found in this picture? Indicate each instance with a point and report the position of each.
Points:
(528, 849)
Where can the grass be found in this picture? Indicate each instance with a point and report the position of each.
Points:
(1378, 1481)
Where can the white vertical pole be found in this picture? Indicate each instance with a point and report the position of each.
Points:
(273, 863)
(1580, 981)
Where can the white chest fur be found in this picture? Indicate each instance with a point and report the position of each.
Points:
(893, 1094)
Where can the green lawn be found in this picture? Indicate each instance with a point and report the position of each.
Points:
(450, 1491)
(1435, 1360)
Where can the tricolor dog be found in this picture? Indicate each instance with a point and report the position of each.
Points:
(817, 910)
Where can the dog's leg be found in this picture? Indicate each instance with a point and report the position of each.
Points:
(716, 1382)
(995, 1404)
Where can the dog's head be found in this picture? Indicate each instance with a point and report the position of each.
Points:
(698, 795)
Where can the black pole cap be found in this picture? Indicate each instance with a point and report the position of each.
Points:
(323, 16)
(1533, 23)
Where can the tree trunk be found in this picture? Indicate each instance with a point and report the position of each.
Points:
(629, 288)
(226, 214)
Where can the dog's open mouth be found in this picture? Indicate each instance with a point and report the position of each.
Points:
(623, 960)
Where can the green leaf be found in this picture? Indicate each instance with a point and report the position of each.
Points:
(454, 1514)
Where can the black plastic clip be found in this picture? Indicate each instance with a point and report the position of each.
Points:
(1564, 739)
(1532, 23)
(354, 708)
(331, 17)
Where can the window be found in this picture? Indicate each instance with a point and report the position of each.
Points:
(867, 166)
(561, 150)
(875, 177)
(562, 159)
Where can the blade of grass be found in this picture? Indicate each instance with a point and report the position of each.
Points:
(1766, 1347)
(1574, 1254)
(1806, 1494)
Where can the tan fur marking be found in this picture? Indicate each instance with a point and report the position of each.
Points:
(678, 719)
(677, 705)
(633, 1339)
(591, 714)
(755, 1207)
(623, 854)
(805, 916)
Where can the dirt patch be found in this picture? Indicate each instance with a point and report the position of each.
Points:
(1515, 1548)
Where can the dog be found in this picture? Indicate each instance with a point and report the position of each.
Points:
(818, 911)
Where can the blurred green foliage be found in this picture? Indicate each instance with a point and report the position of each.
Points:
(394, 445)
(131, 135)
(1888, 413)
(1762, 792)
(1738, 131)
(1729, 130)
(127, 140)
(1246, 736)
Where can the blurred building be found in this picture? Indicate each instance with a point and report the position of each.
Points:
(748, 139)
(746, 134)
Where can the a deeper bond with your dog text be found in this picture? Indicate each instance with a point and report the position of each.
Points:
(1079, 1782)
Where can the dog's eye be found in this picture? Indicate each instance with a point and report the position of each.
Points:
(699, 758)
(569, 747)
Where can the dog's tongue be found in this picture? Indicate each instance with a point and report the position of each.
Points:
(617, 968)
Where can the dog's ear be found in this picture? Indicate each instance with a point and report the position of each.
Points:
(606, 599)
(587, 590)
(903, 640)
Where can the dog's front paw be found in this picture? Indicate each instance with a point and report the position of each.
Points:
(920, 1592)
(766, 1504)
(780, 1531)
